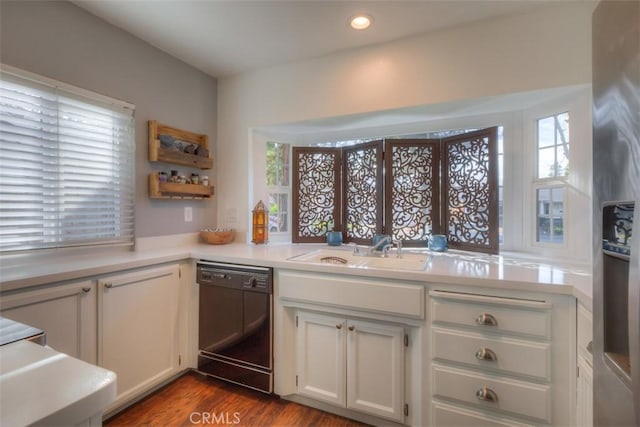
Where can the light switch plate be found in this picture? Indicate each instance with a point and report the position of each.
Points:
(188, 214)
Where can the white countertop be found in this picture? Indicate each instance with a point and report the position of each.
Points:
(454, 267)
(42, 386)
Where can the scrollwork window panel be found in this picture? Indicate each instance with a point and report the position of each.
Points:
(363, 191)
(316, 190)
(470, 195)
(413, 188)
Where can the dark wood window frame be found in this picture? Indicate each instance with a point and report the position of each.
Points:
(468, 218)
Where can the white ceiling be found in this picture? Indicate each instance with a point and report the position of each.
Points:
(226, 37)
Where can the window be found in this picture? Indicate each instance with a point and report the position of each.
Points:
(440, 186)
(550, 215)
(67, 162)
(553, 146)
(552, 169)
(278, 186)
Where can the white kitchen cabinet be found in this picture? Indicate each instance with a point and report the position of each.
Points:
(139, 327)
(584, 389)
(66, 312)
(352, 363)
(321, 357)
(497, 360)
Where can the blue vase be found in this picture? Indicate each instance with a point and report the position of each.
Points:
(438, 242)
(334, 238)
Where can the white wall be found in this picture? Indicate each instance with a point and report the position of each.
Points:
(544, 48)
(61, 41)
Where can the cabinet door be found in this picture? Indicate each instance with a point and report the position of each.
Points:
(138, 328)
(67, 314)
(375, 369)
(585, 394)
(321, 357)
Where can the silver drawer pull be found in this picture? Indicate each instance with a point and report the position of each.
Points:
(108, 285)
(486, 395)
(86, 289)
(486, 319)
(351, 328)
(339, 326)
(486, 354)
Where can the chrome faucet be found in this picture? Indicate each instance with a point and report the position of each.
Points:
(380, 249)
(382, 243)
(388, 246)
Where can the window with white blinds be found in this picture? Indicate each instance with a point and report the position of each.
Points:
(67, 161)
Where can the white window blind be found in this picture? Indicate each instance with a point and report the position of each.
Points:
(67, 161)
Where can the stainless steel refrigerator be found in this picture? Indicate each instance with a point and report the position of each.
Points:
(616, 209)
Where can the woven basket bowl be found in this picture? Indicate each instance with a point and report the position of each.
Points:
(217, 237)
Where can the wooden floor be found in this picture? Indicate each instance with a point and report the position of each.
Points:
(194, 399)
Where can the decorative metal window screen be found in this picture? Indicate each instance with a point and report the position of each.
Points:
(363, 214)
(316, 192)
(66, 166)
(447, 186)
(470, 191)
(413, 169)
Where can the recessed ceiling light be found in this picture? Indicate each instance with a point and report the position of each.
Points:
(360, 22)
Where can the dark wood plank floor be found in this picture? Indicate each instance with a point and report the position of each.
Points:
(193, 399)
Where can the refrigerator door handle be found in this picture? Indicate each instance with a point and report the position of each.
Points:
(634, 314)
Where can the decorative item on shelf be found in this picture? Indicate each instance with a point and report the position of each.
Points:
(195, 178)
(162, 176)
(259, 222)
(205, 180)
(217, 236)
(172, 145)
(177, 187)
(174, 176)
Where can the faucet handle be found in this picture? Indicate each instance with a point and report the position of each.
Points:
(398, 244)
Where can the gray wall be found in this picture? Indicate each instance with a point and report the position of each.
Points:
(61, 41)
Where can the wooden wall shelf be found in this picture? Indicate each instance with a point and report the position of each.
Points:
(159, 154)
(170, 190)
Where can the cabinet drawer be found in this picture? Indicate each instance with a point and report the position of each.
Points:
(492, 314)
(502, 355)
(453, 416)
(509, 396)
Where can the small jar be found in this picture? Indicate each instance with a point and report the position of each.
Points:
(162, 177)
(205, 180)
(182, 179)
(174, 176)
(195, 179)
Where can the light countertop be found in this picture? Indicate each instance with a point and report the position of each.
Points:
(42, 386)
(505, 271)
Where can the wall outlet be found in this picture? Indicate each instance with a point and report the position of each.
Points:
(231, 215)
(188, 214)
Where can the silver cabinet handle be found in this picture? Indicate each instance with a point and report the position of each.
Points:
(351, 328)
(486, 395)
(339, 326)
(108, 285)
(486, 319)
(86, 289)
(486, 354)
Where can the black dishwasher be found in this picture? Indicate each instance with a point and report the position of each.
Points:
(235, 337)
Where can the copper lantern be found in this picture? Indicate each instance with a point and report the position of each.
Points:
(259, 221)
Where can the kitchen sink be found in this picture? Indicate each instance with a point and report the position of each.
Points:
(343, 257)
